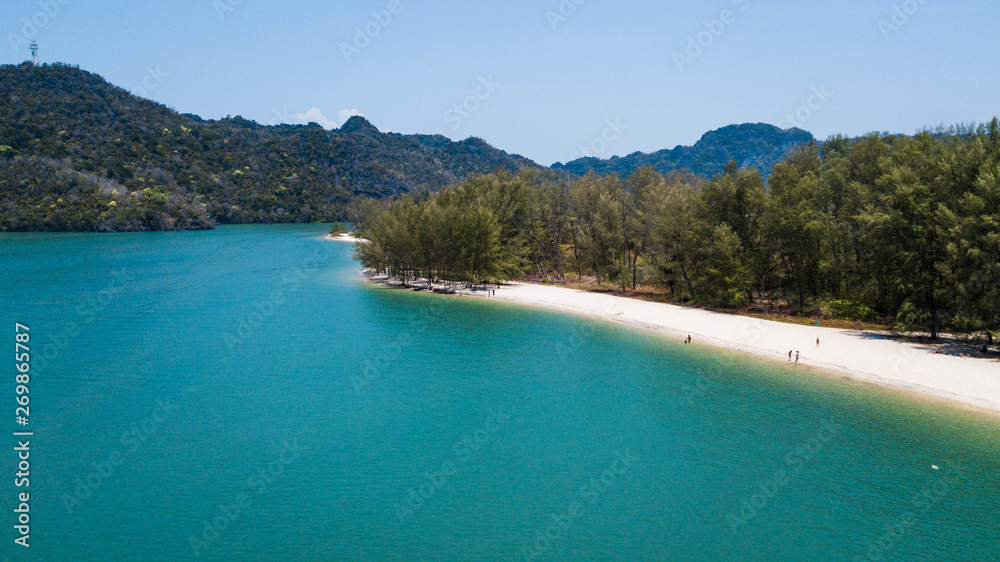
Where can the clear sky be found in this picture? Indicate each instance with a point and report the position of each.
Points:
(546, 79)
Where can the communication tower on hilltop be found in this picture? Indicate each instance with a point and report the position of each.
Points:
(34, 52)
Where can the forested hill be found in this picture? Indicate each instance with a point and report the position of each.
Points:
(757, 145)
(78, 153)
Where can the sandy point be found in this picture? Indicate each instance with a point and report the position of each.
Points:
(345, 238)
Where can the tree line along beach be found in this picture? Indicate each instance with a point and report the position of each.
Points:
(884, 248)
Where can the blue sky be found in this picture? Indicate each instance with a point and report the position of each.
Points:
(549, 79)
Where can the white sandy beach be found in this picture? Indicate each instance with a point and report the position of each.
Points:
(862, 355)
(345, 238)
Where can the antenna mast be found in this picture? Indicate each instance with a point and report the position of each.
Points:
(34, 52)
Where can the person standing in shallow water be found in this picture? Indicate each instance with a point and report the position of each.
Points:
(789, 354)
(796, 356)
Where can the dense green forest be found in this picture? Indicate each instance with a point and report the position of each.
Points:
(751, 145)
(897, 227)
(79, 154)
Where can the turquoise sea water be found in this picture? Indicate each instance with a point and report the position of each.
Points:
(243, 395)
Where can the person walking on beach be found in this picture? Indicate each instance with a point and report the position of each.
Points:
(789, 354)
(817, 342)
(796, 356)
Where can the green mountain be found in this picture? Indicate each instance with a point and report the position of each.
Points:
(79, 154)
(756, 145)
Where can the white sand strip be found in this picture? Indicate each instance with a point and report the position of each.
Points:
(345, 238)
(862, 355)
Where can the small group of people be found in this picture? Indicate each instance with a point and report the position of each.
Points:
(984, 350)
(688, 340)
(797, 353)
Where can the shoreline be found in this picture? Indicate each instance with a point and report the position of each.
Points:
(344, 238)
(860, 355)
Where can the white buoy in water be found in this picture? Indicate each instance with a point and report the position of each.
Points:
(934, 467)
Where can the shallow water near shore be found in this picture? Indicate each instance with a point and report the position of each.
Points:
(244, 394)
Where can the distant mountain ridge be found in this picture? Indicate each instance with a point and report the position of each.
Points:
(78, 153)
(754, 145)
